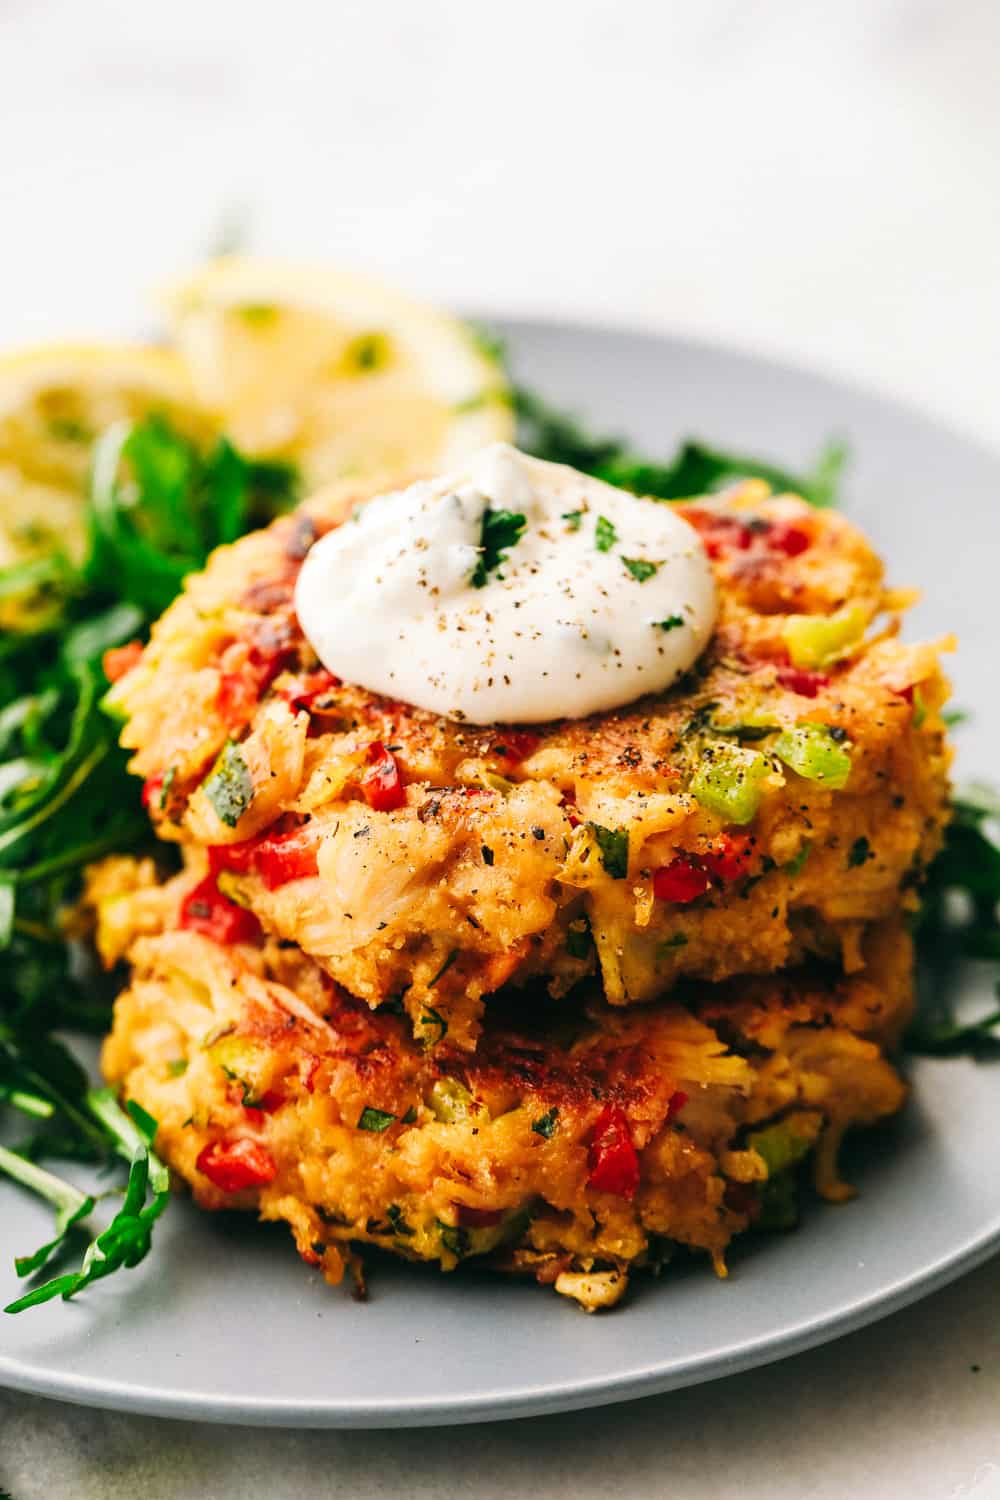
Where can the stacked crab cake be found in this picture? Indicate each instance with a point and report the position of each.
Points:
(564, 993)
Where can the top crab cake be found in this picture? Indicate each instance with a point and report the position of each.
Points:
(785, 791)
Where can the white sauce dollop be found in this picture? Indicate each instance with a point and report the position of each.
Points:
(602, 598)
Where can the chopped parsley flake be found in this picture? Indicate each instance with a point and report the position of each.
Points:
(605, 535)
(501, 529)
(613, 844)
(431, 1017)
(376, 1120)
(578, 940)
(230, 786)
(672, 622)
(573, 518)
(795, 865)
(399, 1225)
(445, 966)
(545, 1124)
(664, 949)
(640, 568)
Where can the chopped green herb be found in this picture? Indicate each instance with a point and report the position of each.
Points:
(672, 622)
(545, 1124)
(605, 534)
(794, 866)
(229, 788)
(859, 853)
(169, 777)
(376, 1120)
(573, 518)
(433, 1018)
(640, 568)
(410, 1118)
(678, 940)
(444, 967)
(579, 942)
(399, 1225)
(501, 530)
(613, 846)
(369, 351)
(453, 1238)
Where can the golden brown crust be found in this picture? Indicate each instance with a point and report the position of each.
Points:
(492, 869)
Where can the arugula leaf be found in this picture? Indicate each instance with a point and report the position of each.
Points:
(695, 469)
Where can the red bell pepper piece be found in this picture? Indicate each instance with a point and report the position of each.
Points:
(681, 881)
(788, 538)
(302, 692)
(381, 782)
(120, 659)
(798, 680)
(276, 857)
(516, 744)
(730, 856)
(238, 1164)
(612, 1158)
(207, 910)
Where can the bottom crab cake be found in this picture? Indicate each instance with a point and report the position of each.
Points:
(572, 1153)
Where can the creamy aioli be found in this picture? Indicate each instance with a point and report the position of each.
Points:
(601, 597)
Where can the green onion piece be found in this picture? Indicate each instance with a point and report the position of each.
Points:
(449, 1100)
(813, 753)
(729, 781)
(376, 1120)
(815, 640)
(781, 1146)
(230, 786)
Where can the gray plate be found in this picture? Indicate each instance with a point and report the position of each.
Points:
(225, 1323)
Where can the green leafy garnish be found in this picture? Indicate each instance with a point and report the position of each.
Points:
(640, 568)
(672, 622)
(128, 1238)
(229, 787)
(452, 956)
(695, 468)
(605, 534)
(573, 518)
(613, 846)
(545, 1124)
(377, 1120)
(501, 530)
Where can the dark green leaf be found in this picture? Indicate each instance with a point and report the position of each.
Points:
(501, 530)
(376, 1120)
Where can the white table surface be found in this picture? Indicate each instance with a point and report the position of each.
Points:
(809, 179)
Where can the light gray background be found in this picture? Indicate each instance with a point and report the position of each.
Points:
(810, 179)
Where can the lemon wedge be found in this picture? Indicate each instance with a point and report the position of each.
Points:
(335, 372)
(55, 400)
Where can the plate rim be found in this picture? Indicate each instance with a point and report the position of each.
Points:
(524, 1400)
